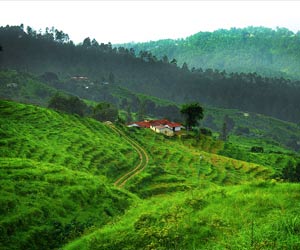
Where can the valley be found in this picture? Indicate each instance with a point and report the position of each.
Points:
(75, 175)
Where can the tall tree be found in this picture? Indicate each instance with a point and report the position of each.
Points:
(192, 113)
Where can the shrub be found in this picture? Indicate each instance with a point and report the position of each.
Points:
(257, 149)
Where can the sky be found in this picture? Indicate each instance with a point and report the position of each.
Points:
(139, 21)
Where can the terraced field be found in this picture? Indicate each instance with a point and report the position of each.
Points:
(76, 143)
(57, 176)
(175, 165)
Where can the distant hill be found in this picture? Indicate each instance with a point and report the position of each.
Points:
(146, 74)
(262, 50)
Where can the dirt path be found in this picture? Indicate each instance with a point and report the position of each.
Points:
(144, 158)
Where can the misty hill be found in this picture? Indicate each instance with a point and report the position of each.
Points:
(262, 50)
(52, 52)
(27, 88)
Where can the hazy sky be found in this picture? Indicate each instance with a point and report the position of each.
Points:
(124, 21)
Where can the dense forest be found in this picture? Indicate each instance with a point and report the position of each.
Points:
(52, 51)
(262, 50)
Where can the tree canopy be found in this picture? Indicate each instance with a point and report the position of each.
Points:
(105, 111)
(192, 113)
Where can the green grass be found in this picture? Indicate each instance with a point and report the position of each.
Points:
(261, 215)
(44, 205)
(77, 143)
(274, 133)
(175, 165)
(23, 87)
(57, 173)
(56, 176)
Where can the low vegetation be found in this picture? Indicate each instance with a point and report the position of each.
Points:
(57, 174)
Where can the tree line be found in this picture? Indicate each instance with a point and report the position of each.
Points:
(145, 73)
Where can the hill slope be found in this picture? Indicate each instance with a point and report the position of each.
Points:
(146, 74)
(254, 49)
(57, 173)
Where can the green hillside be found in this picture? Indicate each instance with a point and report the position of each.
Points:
(24, 87)
(57, 187)
(31, 89)
(254, 49)
(56, 176)
(255, 216)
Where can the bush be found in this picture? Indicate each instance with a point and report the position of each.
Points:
(257, 149)
(72, 105)
(205, 131)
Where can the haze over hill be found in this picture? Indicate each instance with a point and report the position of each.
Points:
(266, 51)
(52, 51)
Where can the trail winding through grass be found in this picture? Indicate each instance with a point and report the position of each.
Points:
(144, 158)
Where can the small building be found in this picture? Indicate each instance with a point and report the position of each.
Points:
(159, 126)
(143, 124)
(162, 130)
(175, 127)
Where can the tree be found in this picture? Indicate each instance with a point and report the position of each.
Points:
(288, 172)
(229, 122)
(192, 113)
(185, 67)
(87, 43)
(105, 111)
(71, 105)
(224, 133)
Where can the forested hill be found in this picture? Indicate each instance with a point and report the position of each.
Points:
(254, 49)
(52, 51)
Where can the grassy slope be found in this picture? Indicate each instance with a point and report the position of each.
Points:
(219, 203)
(261, 215)
(56, 173)
(54, 189)
(23, 87)
(77, 143)
(175, 165)
(274, 132)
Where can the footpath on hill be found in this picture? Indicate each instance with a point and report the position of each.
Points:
(143, 162)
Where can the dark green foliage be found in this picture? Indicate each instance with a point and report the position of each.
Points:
(192, 113)
(291, 172)
(257, 149)
(105, 112)
(71, 105)
(205, 131)
(49, 77)
(242, 131)
(24, 87)
(253, 49)
(146, 74)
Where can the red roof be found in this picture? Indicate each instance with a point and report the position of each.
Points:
(143, 124)
(164, 122)
(173, 124)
